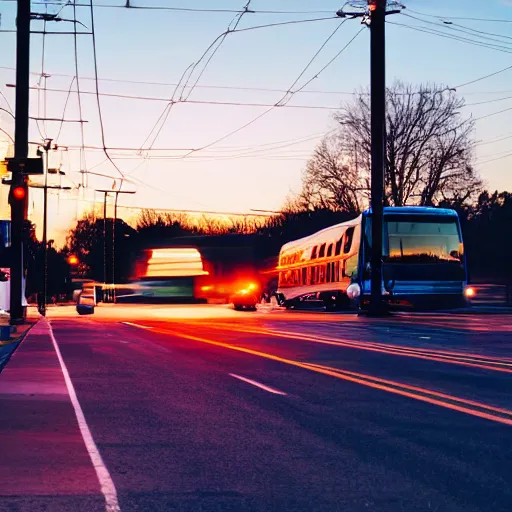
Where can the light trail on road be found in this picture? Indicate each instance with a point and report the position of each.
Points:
(447, 401)
(441, 356)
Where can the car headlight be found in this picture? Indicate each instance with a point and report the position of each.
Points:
(353, 291)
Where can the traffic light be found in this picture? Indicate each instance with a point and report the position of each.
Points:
(19, 190)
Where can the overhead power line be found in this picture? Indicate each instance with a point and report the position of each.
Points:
(199, 102)
(490, 36)
(483, 77)
(439, 17)
(439, 33)
(218, 41)
(96, 82)
(286, 98)
(173, 9)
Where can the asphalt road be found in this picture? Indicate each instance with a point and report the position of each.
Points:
(202, 408)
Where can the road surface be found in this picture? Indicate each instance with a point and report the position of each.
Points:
(201, 408)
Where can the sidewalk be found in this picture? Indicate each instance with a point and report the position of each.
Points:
(44, 464)
(7, 347)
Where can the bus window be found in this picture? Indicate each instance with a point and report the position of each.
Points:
(304, 276)
(328, 276)
(321, 254)
(348, 240)
(351, 265)
(321, 274)
(329, 250)
(339, 243)
(314, 253)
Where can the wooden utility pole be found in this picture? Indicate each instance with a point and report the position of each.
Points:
(19, 208)
(377, 10)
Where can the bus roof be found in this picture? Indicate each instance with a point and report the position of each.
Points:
(332, 233)
(417, 210)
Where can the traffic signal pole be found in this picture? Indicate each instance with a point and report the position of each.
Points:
(19, 208)
(378, 147)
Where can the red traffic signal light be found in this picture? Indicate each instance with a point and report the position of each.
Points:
(73, 260)
(19, 193)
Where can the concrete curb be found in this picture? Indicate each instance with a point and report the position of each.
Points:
(8, 348)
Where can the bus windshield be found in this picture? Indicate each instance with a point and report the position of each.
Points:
(423, 240)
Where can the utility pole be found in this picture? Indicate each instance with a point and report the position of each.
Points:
(114, 240)
(374, 14)
(47, 147)
(105, 192)
(378, 133)
(19, 209)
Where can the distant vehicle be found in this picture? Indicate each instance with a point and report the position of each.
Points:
(424, 265)
(194, 269)
(246, 297)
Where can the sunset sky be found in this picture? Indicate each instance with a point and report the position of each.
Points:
(257, 167)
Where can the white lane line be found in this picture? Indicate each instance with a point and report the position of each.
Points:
(107, 486)
(257, 384)
(137, 325)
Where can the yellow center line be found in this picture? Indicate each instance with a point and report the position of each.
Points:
(458, 358)
(389, 386)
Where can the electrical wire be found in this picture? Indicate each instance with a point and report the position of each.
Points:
(276, 105)
(7, 102)
(218, 42)
(41, 78)
(445, 35)
(491, 36)
(166, 112)
(508, 68)
(175, 9)
(198, 102)
(460, 17)
(98, 101)
(83, 160)
(64, 111)
(486, 102)
(169, 84)
(492, 114)
(236, 20)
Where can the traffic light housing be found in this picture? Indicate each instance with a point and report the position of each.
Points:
(19, 190)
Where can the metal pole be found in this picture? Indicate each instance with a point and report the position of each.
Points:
(45, 229)
(114, 248)
(19, 209)
(105, 238)
(378, 152)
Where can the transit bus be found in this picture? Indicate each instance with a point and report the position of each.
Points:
(424, 265)
(196, 269)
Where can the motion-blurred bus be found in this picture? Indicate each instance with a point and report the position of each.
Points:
(424, 265)
(194, 270)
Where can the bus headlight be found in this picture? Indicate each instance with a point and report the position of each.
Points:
(353, 291)
(469, 292)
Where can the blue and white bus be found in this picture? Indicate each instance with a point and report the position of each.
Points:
(424, 265)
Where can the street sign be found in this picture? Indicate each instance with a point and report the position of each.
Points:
(28, 166)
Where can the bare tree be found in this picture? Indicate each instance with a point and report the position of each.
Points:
(428, 151)
(330, 179)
